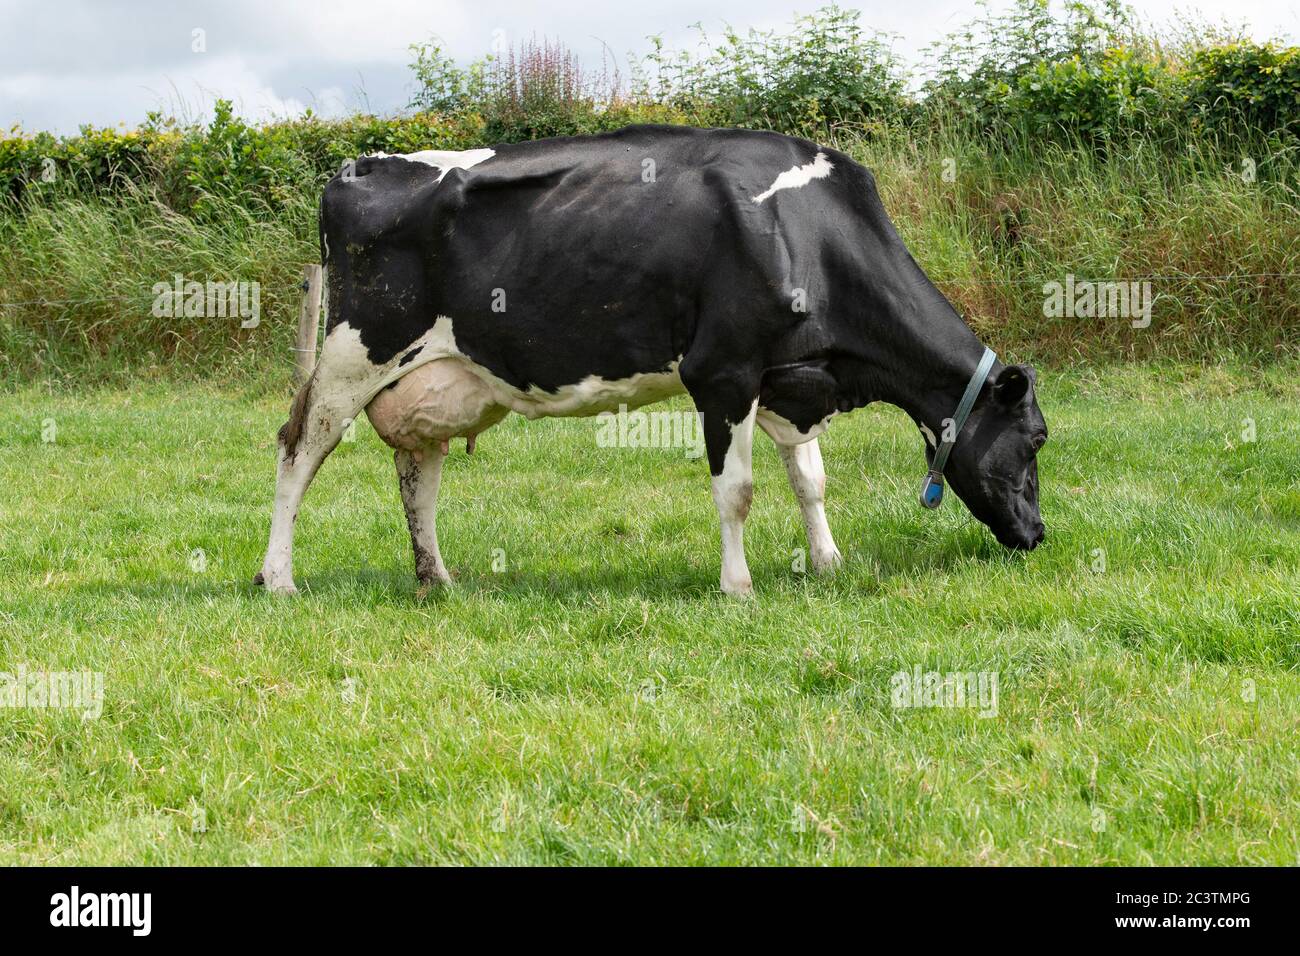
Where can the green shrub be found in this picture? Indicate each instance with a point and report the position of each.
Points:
(96, 160)
(1025, 77)
(1090, 74)
(232, 160)
(978, 70)
(197, 169)
(1245, 88)
(443, 86)
(826, 73)
(1117, 92)
(536, 91)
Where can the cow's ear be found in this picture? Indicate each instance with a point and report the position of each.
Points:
(1013, 384)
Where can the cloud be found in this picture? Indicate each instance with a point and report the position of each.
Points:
(67, 100)
(104, 61)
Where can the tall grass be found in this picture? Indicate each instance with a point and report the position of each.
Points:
(1224, 253)
(84, 269)
(1221, 249)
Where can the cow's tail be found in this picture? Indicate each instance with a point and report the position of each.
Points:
(325, 295)
(324, 263)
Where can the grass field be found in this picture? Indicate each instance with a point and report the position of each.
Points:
(598, 702)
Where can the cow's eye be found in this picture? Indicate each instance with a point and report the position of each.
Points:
(1037, 441)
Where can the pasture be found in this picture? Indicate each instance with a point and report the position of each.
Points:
(584, 694)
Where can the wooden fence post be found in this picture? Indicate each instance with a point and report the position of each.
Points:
(304, 352)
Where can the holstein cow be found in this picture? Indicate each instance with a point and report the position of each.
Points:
(756, 272)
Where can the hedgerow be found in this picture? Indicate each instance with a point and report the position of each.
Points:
(1082, 77)
(1041, 144)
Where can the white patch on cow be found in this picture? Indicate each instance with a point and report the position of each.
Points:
(590, 396)
(594, 394)
(929, 435)
(443, 159)
(803, 466)
(786, 432)
(349, 362)
(733, 492)
(438, 342)
(797, 176)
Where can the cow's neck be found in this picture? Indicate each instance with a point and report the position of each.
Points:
(923, 361)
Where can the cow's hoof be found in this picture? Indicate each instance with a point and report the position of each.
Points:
(741, 590)
(434, 579)
(273, 585)
(425, 588)
(826, 562)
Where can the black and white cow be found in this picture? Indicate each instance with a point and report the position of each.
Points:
(757, 272)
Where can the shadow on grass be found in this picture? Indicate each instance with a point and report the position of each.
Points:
(394, 586)
(867, 571)
(863, 574)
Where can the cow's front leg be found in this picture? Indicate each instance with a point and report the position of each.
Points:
(418, 474)
(730, 446)
(803, 465)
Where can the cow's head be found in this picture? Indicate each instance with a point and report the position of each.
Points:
(994, 465)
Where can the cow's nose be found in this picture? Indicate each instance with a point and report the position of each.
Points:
(1030, 538)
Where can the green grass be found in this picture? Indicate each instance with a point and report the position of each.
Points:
(599, 702)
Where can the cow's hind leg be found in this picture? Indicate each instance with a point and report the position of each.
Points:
(730, 444)
(342, 384)
(418, 475)
(803, 465)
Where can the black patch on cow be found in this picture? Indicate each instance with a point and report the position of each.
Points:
(802, 394)
(558, 259)
(410, 355)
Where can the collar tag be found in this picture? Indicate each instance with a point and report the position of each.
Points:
(932, 490)
(932, 487)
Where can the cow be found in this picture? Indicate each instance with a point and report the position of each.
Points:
(756, 272)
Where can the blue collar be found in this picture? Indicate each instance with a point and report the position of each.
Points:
(932, 488)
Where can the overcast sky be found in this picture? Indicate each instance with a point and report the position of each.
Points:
(68, 62)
